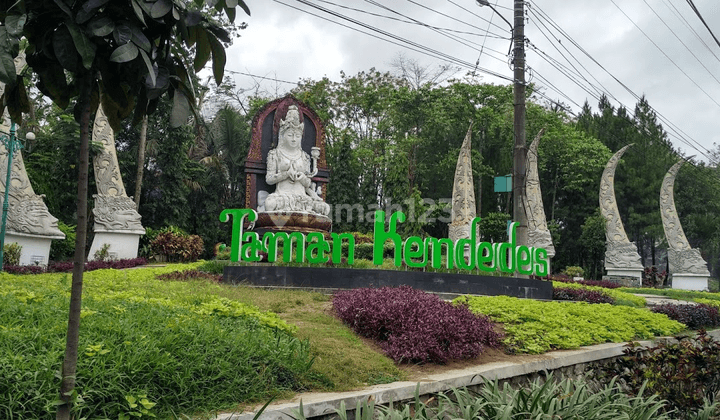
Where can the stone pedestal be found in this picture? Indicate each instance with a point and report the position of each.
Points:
(123, 245)
(687, 281)
(35, 248)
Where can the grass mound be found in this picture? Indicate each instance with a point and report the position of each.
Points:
(169, 345)
(621, 297)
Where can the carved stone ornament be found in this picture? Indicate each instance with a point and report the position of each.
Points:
(27, 212)
(113, 214)
(538, 233)
(622, 255)
(620, 252)
(114, 211)
(681, 257)
(463, 195)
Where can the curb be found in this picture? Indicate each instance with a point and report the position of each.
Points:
(325, 404)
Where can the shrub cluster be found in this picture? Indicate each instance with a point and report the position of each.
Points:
(596, 283)
(11, 254)
(581, 295)
(694, 316)
(67, 266)
(684, 373)
(535, 327)
(177, 246)
(621, 297)
(415, 326)
(190, 275)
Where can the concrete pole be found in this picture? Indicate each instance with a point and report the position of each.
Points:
(520, 150)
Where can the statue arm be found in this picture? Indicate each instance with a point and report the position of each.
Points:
(273, 176)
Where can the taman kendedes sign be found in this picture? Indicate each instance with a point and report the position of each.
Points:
(463, 254)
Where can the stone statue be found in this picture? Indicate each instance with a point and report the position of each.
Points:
(463, 195)
(683, 259)
(289, 169)
(117, 222)
(621, 256)
(538, 233)
(114, 210)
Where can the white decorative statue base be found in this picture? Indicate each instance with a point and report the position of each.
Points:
(123, 245)
(35, 248)
(685, 281)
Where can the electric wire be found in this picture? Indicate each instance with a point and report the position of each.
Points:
(454, 18)
(672, 128)
(681, 41)
(699, 15)
(485, 34)
(681, 18)
(392, 38)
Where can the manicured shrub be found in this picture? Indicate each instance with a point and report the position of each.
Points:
(535, 327)
(597, 283)
(190, 275)
(23, 269)
(694, 316)
(177, 246)
(621, 297)
(684, 373)
(67, 266)
(574, 271)
(415, 326)
(584, 295)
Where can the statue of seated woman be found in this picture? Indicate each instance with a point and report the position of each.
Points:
(289, 169)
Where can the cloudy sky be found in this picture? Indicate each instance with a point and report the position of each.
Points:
(658, 48)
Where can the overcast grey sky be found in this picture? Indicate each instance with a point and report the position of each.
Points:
(670, 57)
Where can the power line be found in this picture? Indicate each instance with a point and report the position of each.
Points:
(485, 34)
(697, 12)
(394, 39)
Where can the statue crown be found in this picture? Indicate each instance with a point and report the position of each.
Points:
(292, 119)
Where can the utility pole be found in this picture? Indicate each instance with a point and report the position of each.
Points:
(520, 150)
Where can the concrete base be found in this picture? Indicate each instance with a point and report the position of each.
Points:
(690, 281)
(265, 274)
(35, 249)
(123, 245)
(628, 277)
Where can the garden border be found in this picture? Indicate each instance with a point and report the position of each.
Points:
(323, 405)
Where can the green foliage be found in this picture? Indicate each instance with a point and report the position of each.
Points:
(685, 373)
(690, 295)
(621, 296)
(11, 254)
(177, 246)
(103, 253)
(539, 399)
(63, 249)
(493, 227)
(177, 345)
(536, 327)
(592, 242)
(573, 271)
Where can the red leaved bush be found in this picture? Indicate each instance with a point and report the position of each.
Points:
(584, 295)
(599, 283)
(415, 326)
(694, 316)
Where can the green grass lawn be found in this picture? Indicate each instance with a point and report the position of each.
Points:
(194, 346)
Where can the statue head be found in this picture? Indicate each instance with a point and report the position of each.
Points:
(291, 129)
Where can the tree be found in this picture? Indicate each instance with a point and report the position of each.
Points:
(125, 54)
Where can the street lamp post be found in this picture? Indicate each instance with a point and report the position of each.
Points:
(12, 144)
(520, 147)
